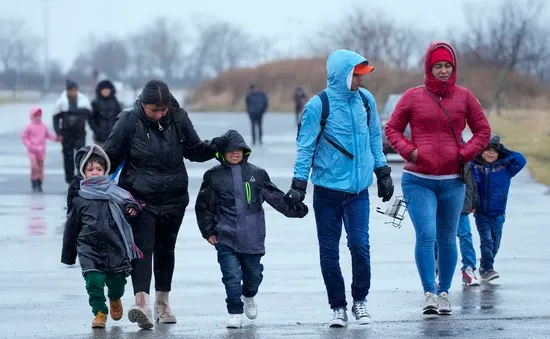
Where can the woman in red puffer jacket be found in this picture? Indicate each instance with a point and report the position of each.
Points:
(437, 113)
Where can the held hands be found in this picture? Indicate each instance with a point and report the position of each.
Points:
(131, 211)
(297, 191)
(385, 182)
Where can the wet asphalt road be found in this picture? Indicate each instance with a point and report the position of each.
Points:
(42, 298)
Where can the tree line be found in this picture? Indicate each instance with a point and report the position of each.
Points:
(509, 38)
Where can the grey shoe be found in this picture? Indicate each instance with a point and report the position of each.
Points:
(443, 304)
(430, 304)
(359, 311)
(339, 319)
(489, 275)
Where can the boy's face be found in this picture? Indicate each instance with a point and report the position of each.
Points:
(234, 157)
(93, 169)
(489, 155)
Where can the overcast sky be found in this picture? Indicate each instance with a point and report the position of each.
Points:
(71, 21)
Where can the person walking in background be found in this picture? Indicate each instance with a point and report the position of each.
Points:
(71, 112)
(34, 138)
(300, 100)
(437, 113)
(256, 106)
(342, 153)
(464, 231)
(230, 217)
(105, 109)
(97, 231)
(494, 169)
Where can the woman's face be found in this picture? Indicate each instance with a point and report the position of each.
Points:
(155, 112)
(442, 70)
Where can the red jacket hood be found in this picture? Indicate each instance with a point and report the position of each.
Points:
(437, 86)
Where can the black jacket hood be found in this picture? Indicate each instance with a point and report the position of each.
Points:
(102, 85)
(234, 141)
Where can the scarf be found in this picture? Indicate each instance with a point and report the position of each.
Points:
(103, 188)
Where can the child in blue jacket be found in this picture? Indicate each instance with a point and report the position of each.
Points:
(493, 170)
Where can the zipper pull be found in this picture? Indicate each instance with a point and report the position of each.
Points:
(160, 127)
(148, 137)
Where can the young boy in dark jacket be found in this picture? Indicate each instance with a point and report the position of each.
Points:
(98, 232)
(493, 170)
(230, 216)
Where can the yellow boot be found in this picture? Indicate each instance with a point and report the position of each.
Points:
(99, 320)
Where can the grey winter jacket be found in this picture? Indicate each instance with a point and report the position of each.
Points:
(471, 198)
(229, 203)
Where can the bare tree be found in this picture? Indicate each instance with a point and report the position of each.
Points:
(17, 45)
(109, 55)
(373, 35)
(511, 38)
(160, 46)
(221, 46)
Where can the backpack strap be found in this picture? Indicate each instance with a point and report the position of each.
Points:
(366, 104)
(324, 112)
(324, 116)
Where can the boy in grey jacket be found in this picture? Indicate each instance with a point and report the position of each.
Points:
(230, 216)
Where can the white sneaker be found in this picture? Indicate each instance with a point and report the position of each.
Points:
(443, 304)
(234, 321)
(430, 304)
(250, 308)
(339, 319)
(469, 277)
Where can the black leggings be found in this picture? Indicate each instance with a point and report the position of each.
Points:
(155, 234)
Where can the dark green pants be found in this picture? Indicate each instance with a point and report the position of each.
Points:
(95, 286)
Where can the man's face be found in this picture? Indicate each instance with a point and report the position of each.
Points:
(356, 81)
(155, 112)
(72, 93)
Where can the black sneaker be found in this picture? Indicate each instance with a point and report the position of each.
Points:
(359, 311)
(488, 275)
(339, 318)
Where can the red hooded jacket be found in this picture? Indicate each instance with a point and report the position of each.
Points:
(431, 132)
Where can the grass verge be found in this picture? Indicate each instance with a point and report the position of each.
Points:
(527, 132)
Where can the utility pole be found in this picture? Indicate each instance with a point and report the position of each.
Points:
(46, 43)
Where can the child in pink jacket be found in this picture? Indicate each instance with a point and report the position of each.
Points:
(34, 138)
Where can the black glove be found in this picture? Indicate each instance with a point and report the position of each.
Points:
(219, 143)
(385, 183)
(297, 191)
(504, 151)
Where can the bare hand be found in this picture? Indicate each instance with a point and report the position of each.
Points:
(131, 211)
(414, 155)
(212, 240)
(59, 138)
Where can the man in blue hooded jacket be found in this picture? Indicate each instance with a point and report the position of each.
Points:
(342, 161)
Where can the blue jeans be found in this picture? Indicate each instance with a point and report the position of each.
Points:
(331, 208)
(490, 233)
(464, 234)
(237, 268)
(434, 207)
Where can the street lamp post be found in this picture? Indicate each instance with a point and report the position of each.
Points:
(46, 56)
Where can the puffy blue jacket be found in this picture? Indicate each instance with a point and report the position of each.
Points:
(493, 180)
(346, 126)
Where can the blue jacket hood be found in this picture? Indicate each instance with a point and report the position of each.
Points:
(339, 65)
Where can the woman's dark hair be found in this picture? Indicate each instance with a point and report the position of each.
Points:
(155, 92)
(94, 158)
